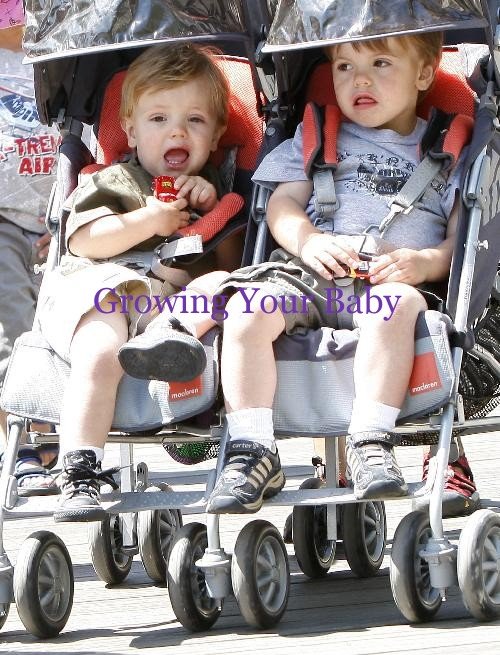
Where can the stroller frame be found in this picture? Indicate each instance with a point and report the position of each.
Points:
(217, 566)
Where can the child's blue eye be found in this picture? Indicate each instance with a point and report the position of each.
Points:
(197, 119)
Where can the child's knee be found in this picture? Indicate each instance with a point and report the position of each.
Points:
(406, 301)
(208, 283)
(252, 311)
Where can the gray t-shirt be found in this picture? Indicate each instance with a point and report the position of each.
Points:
(373, 165)
(28, 150)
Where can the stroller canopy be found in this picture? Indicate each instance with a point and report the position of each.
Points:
(60, 28)
(301, 24)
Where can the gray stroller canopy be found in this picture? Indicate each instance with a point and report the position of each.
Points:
(302, 24)
(60, 28)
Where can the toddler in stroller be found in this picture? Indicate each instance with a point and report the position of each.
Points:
(306, 285)
(174, 109)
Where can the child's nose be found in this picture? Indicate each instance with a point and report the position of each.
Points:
(362, 79)
(177, 129)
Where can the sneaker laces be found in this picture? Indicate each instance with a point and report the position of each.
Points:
(371, 455)
(81, 478)
(237, 465)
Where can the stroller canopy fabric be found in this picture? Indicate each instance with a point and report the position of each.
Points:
(313, 23)
(65, 27)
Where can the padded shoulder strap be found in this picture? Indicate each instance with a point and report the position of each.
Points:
(446, 136)
(320, 128)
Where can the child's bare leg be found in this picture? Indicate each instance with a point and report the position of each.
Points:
(382, 368)
(202, 318)
(247, 364)
(169, 349)
(87, 412)
(252, 469)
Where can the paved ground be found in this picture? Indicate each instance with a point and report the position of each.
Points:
(337, 614)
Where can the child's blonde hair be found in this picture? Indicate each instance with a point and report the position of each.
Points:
(169, 65)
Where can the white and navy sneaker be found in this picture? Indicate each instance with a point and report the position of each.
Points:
(251, 473)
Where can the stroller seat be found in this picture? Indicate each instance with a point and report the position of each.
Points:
(147, 405)
(315, 386)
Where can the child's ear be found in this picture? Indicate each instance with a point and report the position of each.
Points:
(426, 76)
(128, 127)
(219, 131)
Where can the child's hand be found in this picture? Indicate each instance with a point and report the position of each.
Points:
(168, 217)
(199, 193)
(402, 265)
(323, 252)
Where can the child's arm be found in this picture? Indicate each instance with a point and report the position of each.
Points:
(199, 193)
(113, 234)
(292, 229)
(417, 266)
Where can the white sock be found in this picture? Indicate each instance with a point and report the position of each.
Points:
(371, 415)
(254, 424)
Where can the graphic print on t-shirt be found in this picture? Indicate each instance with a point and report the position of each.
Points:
(383, 176)
(21, 136)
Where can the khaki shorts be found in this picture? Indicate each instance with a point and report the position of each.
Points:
(78, 286)
(307, 300)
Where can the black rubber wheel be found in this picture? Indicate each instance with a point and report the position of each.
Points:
(4, 613)
(260, 574)
(187, 588)
(110, 563)
(364, 533)
(43, 584)
(155, 531)
(411, 587)
(314, 552)
(478, 565)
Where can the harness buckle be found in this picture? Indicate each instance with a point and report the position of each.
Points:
(394, 210)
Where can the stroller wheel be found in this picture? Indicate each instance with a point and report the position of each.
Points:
(364, 532)
(477, 564)
(43, 584)
(187, 587)
(411, 586)
(155, 531)
(4, 613)
(314, 552)
(110, 562)
(260, 574)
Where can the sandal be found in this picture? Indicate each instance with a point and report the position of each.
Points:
(34, 480)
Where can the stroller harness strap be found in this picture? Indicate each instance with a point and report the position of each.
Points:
(444, 138)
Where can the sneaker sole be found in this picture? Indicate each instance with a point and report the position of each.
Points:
(454, 504)
(380, 489)
(231, 504)
(80, 515)
(168, 361)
